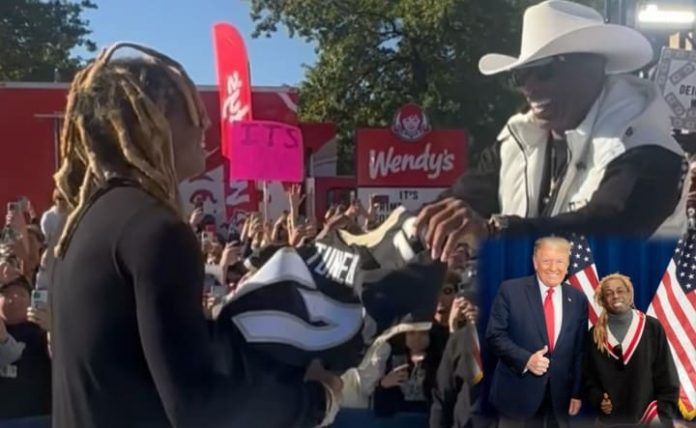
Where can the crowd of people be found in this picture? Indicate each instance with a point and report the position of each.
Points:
(430, 369)
(25, 366)
(118, 308)
(397, 374)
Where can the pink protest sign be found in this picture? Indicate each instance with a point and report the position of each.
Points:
(265, 150)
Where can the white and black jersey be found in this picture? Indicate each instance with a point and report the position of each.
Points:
(330, 298)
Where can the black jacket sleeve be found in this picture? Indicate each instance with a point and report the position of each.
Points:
(479, 186)
(665, 378)
(497, 338)
(445, 392)
(639, 190)
(593, 388)
(580, 345)
(162, 258)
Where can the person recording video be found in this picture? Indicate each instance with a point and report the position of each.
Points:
(23, 236)
(25, 366)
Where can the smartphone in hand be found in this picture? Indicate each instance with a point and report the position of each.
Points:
(218, 291)
(39, 299)
(23, 204)
(206, 239)
(399, 360)
(14, 207)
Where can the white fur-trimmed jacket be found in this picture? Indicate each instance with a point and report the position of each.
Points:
(623, 161)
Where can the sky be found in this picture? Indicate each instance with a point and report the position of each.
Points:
(182, 29)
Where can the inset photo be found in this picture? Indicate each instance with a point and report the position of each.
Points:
(583, 331)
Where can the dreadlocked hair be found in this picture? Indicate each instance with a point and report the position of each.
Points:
(116, 119)
(599, 335)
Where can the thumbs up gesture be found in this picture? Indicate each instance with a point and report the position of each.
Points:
(606, 405)
(538, 364)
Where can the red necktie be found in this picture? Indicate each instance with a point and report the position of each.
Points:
(549, 315)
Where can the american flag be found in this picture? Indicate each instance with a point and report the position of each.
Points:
(582, 273)
(674, 305)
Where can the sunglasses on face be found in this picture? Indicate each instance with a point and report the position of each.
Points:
(447, 291)
(543, 70)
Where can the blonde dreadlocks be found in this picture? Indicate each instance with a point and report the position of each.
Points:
(116, 118)
(599, 335)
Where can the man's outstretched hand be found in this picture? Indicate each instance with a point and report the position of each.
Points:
(446, 223)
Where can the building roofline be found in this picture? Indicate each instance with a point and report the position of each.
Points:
(62, 85)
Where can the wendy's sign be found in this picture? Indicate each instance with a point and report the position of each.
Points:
(411, 153)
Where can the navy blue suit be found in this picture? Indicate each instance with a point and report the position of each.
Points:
(517, 329)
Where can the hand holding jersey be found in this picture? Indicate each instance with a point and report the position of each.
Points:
(328, 300)
(447, 223)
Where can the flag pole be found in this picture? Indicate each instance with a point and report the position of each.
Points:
(690, 200)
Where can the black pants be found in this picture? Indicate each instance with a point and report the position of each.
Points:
(545, 416)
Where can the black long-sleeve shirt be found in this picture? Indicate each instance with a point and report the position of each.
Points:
(131, 346)
(639, 190)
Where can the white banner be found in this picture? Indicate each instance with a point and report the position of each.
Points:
(676, 77)
(389, 198)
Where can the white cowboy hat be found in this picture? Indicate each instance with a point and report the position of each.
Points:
(557, 27)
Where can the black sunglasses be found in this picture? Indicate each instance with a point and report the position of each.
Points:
(542, 70)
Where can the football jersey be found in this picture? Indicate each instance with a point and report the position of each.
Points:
(330, 298)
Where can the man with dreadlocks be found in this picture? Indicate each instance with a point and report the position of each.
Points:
(130, 342)
(629, 373)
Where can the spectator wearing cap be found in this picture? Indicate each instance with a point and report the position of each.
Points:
(25, 380)
(10, 350)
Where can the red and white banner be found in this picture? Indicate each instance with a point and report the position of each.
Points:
(234, 80)
(410, 154)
